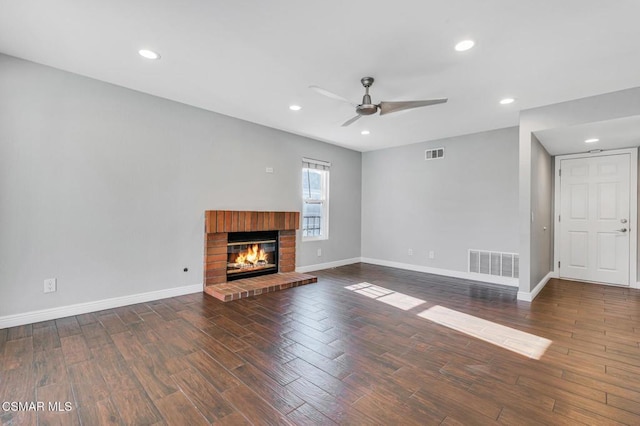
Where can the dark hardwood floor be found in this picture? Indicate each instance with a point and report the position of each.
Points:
(325, 354)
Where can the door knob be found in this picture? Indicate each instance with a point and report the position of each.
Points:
(622, 230)
(623, 220)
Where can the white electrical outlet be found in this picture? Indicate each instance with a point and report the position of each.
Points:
(50, 285)
(432, 254)
(269, 170)
(410, 252)
(319, 252)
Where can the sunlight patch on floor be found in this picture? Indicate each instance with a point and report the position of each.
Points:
(384, 295)
(526, 344)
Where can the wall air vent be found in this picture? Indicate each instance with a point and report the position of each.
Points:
(434, 154)
(494, 263)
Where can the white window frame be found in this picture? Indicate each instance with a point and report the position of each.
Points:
(324, 167)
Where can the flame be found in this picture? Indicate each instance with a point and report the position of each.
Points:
(253, 255)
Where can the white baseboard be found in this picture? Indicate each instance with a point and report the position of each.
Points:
(529, 296)
(328, 265)
(98, 305)
(512, 282)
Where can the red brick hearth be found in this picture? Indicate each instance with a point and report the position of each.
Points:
(219, 223)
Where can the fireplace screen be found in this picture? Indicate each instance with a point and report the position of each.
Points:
(251, 254)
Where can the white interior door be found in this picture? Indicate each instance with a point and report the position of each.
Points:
(594, 219)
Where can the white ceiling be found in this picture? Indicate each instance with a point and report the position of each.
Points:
(612, 134)
(251, 59)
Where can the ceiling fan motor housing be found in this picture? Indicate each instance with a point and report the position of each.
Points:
(366, 108)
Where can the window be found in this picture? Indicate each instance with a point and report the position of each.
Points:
(315, 199)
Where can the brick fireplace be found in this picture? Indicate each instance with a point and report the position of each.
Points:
(220, 224)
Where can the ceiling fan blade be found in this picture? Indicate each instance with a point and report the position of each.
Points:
(351, 120)
(331, 95)
(389, 107)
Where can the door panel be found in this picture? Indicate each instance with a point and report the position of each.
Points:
(607, 206)
(607, 246)
(578, 249)
(594, 200)
(579, 196)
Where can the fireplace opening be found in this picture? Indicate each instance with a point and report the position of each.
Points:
(250, 254)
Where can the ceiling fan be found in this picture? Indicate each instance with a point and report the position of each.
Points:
(368, 108)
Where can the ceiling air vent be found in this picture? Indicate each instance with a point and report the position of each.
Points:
(434, 154)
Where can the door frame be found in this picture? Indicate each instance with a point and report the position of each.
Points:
(633, 207)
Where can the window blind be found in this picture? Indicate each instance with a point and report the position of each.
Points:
(309, 163)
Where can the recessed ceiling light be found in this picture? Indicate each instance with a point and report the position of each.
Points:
(592, 140)
(365, 132)
(465, 45)
(507, 101)
(149, 54)
(295, 107)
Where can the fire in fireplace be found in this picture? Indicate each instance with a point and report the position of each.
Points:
(251, 254)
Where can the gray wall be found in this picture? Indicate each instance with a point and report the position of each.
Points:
(542, 208)
(534, 253)
(105, 188)
(467, 200)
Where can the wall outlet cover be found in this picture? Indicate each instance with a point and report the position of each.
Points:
(50, 285)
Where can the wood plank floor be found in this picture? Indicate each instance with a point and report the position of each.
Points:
(325, 354)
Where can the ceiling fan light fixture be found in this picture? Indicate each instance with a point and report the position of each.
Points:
(507, 101)
(592, 140)
(149, 54)
(465, 45)
(295, 107)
